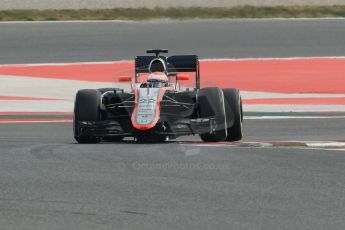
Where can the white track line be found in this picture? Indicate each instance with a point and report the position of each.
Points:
(309, 145)
(206, 59)
(285, 117)
(269, 95)
(22, 121)
(67, 63)
(287, 108)
(36, 106)
(326, 144)
(20, 86)
(273, 58)
(291, 117)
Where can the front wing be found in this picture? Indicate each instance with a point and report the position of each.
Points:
(109, 128)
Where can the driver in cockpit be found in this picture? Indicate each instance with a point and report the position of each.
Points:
(158, 74)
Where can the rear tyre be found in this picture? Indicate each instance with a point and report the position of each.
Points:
(211, 104)
(233, 107)
(86, 108)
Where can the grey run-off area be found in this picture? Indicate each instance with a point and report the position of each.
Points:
(108, 4)
(115, 40)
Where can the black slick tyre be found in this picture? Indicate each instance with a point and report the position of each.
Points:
(233, 108)
(211, 104)
(86, 108)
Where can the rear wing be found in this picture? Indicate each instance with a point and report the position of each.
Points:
(175, 64)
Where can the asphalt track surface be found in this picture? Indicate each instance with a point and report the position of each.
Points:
(47, 181)
(106, 41)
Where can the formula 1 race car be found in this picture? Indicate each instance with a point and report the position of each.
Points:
(158, 109)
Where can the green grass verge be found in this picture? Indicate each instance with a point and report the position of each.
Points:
(175, 13)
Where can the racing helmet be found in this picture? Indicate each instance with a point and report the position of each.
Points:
(157, 79)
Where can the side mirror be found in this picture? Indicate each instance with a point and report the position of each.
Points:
(182, 77)
(125, 79)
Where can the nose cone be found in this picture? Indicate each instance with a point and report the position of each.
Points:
(147, 108)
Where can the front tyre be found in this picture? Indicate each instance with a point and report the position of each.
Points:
(233, 107)
(211, 104)
(86, 108)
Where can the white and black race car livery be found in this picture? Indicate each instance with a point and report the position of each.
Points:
(157, 109)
